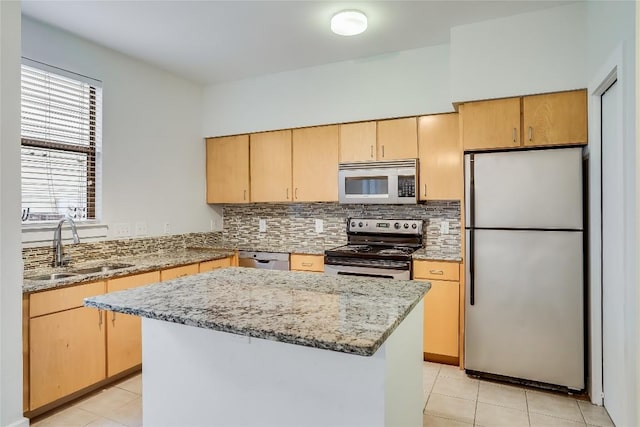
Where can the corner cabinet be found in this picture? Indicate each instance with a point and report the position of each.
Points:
(228, 169)
(440, 154)
(528, 121)
(441, 310)
(315, 164)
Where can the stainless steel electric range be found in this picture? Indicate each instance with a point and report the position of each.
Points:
(376, 248)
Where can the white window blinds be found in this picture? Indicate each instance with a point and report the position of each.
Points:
(61, 136)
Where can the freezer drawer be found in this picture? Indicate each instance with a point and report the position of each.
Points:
(527, 318)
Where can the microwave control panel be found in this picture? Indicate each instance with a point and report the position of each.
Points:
(406, 186)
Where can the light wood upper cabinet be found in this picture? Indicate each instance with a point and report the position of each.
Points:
(66, 353)
(440, 157)
(555, 118)
(315, 164)
(228, 169)
(358, 142)
(536, 120)
(271, 166)
(398, 139)
(124, 338)
(491, 124)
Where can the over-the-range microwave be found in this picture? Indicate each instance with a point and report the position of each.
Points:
(381, 182)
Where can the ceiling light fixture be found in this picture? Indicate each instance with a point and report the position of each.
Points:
(349, 22)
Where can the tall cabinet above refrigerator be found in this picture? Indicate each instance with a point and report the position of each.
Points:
(524, 318)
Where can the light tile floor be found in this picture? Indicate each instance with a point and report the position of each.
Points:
(451, 400)
(119, 405)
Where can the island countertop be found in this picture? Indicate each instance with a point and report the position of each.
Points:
(346, 314)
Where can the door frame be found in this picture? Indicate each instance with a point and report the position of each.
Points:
(609, 72)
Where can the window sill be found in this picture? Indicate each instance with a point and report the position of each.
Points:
(41, 234)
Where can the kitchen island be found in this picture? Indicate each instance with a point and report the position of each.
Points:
(242, 346)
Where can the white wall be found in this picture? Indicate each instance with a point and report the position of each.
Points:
(612, 33)
(405, 83)
(10, 257)
(536, 52)
(153, 153)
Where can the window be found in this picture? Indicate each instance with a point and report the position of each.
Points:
(61, 138)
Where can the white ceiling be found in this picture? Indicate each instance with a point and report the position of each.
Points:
(217, 41)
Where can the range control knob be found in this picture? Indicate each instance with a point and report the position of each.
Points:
(396, 225)
(353, 223)
(406, 225)
(414, 226)
(359, 224)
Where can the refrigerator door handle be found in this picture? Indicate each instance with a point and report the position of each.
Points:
(472, 211)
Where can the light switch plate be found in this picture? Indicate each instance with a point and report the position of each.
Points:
(319, 226)
(444, 227)
(122, 229)
(262, 225)
(167, 228)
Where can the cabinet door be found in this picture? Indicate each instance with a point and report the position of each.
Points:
(398, 139)
(271, 166)
(491, 124)
(66, 353)
(124, 340)
(440, 157)
(358, 142)
(441, 318)
(228, 169)
(315, 164)
(215, 264)
(174, 273)
(555, 118)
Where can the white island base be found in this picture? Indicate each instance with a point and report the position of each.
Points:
(200, 377)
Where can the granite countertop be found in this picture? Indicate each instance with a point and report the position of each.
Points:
(135, 264)
(346, 314)
(428, 254)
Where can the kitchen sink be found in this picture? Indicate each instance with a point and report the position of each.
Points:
(101, 268)
(52, 276)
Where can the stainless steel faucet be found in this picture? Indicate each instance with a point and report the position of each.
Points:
(60, 260)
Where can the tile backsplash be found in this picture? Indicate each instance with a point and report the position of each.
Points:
(293, 225)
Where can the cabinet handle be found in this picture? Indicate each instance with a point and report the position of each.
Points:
(372, 151)
(530, 133)
(296, 193)
(244, 196)
(307, 264)
(383, 151)
(113, 319)
(287, 193)
(99, 319)
(425, 190)
(438, 272)
(514, 135)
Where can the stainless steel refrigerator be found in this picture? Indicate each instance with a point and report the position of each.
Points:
(524, 315)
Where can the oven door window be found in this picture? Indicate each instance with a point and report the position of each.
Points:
(370, 186)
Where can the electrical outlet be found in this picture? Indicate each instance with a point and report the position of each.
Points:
(319, 226)
(262, 225)
(141, 228)
(212, 225)
(122, 229)
(444, 227)
(167, 228)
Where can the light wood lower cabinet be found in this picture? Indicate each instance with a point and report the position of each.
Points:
(441, 310)
(66, 350)
(124, 337)
(305, 262)
(174, 273)
(215, 264)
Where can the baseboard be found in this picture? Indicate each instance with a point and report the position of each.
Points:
(439, 358)
(23, 422)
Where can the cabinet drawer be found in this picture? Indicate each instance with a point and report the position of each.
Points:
(63, 299)
(134, 281)
(215, 264)
(174, 273)
(437, 270)
(307, 262)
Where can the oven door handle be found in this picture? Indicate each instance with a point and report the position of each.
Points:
(381, 276)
